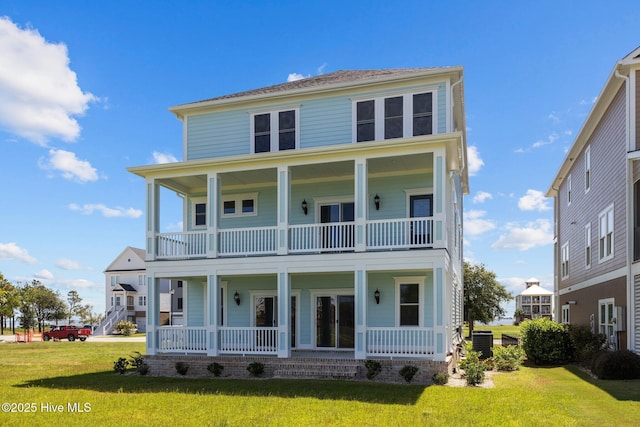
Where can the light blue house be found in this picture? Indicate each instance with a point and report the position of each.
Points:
(320, 215)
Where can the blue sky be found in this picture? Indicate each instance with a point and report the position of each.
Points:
(85, 89)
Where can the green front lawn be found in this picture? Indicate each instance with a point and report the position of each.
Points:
(43, 376)
(496, 330)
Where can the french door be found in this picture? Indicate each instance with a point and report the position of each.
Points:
(335, 321)
(337, 236)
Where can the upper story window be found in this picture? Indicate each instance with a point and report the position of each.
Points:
(140, 279)
(115, 280)
(606, 234)
(199, 212)
(587, 168)
(569, 190)
(564, 265)
(587, 245)
(240, 205)
(400, 116)
(274, 131)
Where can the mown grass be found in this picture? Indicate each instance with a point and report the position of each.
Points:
(62, 373)
(496, 330)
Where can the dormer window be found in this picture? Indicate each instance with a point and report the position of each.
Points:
(274, 131)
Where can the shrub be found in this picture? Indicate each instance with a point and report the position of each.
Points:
(256, 369)
(137, 361)
(507, 358)
(472, 366)
(124, 327)
(546, 342)
(440, 378)
(120, 365)
(215, 368)
(616, 365)
(586, 344)
(182, 368)
(373, 368)
(408, 372)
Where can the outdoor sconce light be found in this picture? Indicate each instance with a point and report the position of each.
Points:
(376, 295)
(572, 302)
(376, 201)
(304, 206)
(236, 298)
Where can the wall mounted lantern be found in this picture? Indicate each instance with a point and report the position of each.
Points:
(305, 206)
(236, 298)
(376, 201)
(376, 295)
(572, 302)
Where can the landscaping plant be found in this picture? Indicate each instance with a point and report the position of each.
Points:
(373, 368)
(408, 372)
(182, 368)
(256, 369)
(546, 342)
(507, 358)
(472, 366)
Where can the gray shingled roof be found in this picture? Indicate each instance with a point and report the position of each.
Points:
(341, 76)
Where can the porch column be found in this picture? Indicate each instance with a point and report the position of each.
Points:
(213, 192)
(360, 315)
(153, 314)
(153, 218)
(213, 314)
(439, 198)
(283, 210)
(284, 314)
(440, 332)
(361, 204)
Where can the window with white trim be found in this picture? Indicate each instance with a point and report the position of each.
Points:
(587, 168)
(569, 190)
(587, 245)
(142, 300)
(564, 263)
(606, 234)
(199, 212)
(605, 318)
(141, 281)
(398, 116)
(115, 280)
(409, 298)
(274, 131)
(237, 205)
(566, 317)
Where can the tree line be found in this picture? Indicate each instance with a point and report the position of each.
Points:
(33, 305)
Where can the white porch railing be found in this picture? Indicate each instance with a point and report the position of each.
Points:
(191, 244)
(328, 237)
(400, 233)
(182, 339)
(400, 342)
(254, 340)
(247, 241)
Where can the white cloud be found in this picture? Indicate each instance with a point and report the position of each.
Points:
(107, 212)
(481, 197)
(295, 76)
(70, 166)
(542, 142)
(39, 93)
(474, 162)
(321, 68)
(533, 234)
(160, 158)
(534, 200)
(44, 274)
(475, 224)
(11, 251)
(78, 284)
(67, 264)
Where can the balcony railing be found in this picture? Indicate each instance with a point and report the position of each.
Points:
(400, 342)
(388, 234)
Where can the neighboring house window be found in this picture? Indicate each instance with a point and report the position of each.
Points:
(409, 297)
(142, 301)
(118, 301)
(606, 234)
(240, 205)
(564, 265)
(569, 190)
(179, 283)
(400, 116)
(587, 168)
(111, 301)
(140, 279)
(179, 303)
(587, 245)
(274, 131)
(115, 280)
(566, 318)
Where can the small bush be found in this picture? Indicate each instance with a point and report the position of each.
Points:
(137, 361)
(440, 378)
(586, 344)
(215, 369)
(546, 342)
(124, 327)
(408, 372)
(507, 358)
(616, 365)
(120, 365)
(256, 369)
(472, 366)
(182, 368)
(373, 368)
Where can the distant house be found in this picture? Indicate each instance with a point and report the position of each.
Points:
(535, 301)
(322, 215)
(597, 214)
(126, 292)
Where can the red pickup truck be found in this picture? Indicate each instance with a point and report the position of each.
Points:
(68, 332)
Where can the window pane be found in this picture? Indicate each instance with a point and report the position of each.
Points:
(287, 120)
(201, 214)
(422, 103)
(247, 206)
(287, 140)
(366, 132)
(409, 315)
(365, 120)
(287, 129)
(262, 123)
(408, 294)
(229, 207)
(262, 132)
(262, 144)
(393, 118)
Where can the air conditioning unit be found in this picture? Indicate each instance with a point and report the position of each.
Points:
(620, 318)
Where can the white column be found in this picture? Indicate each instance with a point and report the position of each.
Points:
(213, 314)
(439, 198)
(283, 210)
(360, 296)
(153, 314)
(284, 314)
(213, 192)
(153, 218)
(361, 204)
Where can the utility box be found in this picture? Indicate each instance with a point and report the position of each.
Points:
(482, 341)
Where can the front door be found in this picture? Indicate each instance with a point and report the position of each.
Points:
(335, 321)
(338, 236)
(266, 309)
(421, 206)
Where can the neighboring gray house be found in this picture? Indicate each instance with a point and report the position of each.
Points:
(597, 214)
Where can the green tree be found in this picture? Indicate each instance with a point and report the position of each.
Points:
(74, 301)
(483, 295)
(9, 301)
(40, 304)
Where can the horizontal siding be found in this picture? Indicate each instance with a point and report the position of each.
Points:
(195, 303)
(218, 135)
(608, 178)
(325, 122)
